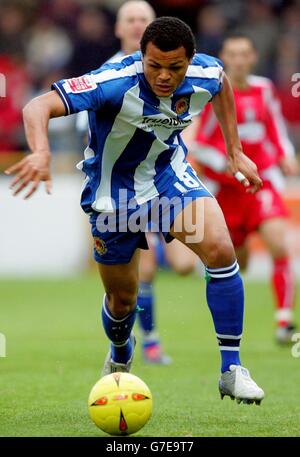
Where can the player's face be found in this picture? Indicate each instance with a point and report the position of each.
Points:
(239, 57)
(131, 26)
(164, 71)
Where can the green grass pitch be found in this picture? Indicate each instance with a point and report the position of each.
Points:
(56, 347)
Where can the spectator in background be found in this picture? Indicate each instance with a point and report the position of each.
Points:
(288, 63)
(211, 26)
(233, 11)
(95, 41)
(262, 26)
(48, 48)
(63, 13)
(184, 9)
(289, 45)
(13, 20)
(17, 94)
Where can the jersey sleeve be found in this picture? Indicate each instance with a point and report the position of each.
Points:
(80, 94)
(207, 72)
(221, 73)
(218, 70)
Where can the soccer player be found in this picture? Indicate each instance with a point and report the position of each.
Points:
(132, 19)
(264, 139)
(135, 165)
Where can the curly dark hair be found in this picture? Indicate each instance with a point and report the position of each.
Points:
(168, 33)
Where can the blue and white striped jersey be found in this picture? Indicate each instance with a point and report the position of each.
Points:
(134, 136)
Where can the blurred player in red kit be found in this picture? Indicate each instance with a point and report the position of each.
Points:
(264, 139)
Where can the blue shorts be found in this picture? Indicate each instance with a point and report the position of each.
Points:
(117, 235)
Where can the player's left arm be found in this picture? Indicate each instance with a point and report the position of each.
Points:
(224, 108)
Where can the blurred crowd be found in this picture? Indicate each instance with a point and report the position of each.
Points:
(42, 41)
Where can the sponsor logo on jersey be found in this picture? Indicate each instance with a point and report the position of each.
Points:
(100, 246)
(81, 84)
(182, 105)
(166, 122)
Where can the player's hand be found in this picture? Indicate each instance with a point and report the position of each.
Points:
(30, 172)
(289, 166)
(245, 171)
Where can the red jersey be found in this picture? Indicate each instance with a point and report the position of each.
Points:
(261, 129)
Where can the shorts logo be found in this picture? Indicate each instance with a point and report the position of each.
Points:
(81, 84)
(100, 246)
(182, 105)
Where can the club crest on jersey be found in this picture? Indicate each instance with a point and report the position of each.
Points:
(182, 105)
(100, 246)
(81, 84)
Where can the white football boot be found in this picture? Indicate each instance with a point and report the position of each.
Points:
(112, 367)
(238, 384)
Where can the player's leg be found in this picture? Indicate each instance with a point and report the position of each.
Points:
(117, 252)
(119, 311)
(273, 232)
(180, 258)
(151, 347)
(216, 251)
(210, 240)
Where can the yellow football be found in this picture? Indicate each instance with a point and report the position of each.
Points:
(120, 404)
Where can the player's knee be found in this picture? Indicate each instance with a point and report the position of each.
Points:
(123, 300)
(220, 253)
(279, 250)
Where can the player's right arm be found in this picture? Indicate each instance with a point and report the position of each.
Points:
(35, 167)
(67, 97)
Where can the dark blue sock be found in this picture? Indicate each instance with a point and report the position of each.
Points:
(225, 298)
(118, 331)
(145, 305)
